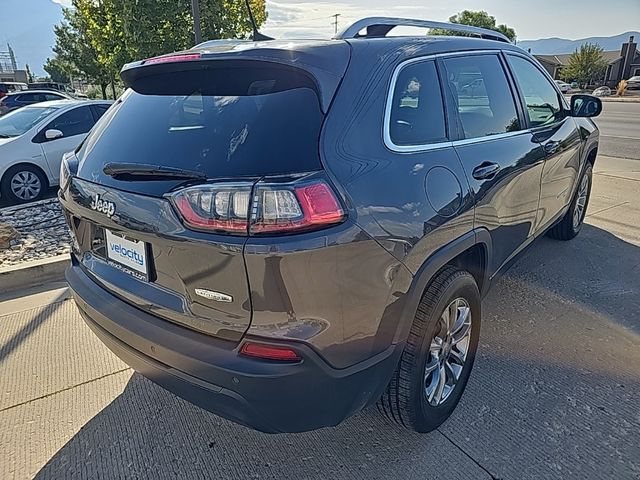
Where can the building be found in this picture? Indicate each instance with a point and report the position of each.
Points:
(9, 71)
(622, 64)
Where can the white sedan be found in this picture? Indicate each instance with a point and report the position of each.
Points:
(33, 140)
(564, 87)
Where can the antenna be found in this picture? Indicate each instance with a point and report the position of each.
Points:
(257, 36)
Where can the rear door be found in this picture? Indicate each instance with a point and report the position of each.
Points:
(555, 131)
(500, 156)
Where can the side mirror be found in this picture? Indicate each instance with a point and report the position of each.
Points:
(585, 106)
(52, 134)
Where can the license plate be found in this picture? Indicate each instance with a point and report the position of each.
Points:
(128, 254)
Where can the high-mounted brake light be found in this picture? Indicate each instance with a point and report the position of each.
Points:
(274, 207)
(269, 352)
(173, 58)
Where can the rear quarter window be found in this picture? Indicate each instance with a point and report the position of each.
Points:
(416, 111)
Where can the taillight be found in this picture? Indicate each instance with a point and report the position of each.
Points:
(273, 207)
(279, 208)
(269, 352)
(218, 207)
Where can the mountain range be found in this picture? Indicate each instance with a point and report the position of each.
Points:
(33, 39)
(555, 46)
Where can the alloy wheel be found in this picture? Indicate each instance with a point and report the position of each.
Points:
(581, 201)
(26, 185)
(448, 352)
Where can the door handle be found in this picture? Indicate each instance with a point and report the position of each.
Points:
(551, 147)
(485, 170)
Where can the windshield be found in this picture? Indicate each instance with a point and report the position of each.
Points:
(18, 122)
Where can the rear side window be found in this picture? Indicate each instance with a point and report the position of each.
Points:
(73, 122)
(541, 98)
(31, 98)
(481, 95)
(417, 112)
(223, 123)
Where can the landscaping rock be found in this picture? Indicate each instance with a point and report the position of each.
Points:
(32, 231)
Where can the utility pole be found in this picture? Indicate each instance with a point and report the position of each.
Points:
(335, 23)
(195, 10)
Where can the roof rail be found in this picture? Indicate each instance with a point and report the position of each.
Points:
(380, 26)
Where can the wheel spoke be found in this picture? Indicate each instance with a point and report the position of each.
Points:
(436, 394)
(462, 318)
(457, 356)
(454, 372)
(431, 366)
(462, 333)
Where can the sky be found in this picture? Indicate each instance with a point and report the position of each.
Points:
(532, 19)
(32, 35)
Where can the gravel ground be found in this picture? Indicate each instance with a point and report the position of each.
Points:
(43, 232)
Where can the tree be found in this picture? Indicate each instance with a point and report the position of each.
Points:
(59, 71)
(73, 47)
(586, 65)
(99, 36)
(476, 19)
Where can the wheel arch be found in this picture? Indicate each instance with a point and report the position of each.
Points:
(471, 252)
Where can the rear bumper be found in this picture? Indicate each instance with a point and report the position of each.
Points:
(268, 396)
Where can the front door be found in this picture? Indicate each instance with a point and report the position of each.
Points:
(74, 125)
(502, 159)
(555, 131)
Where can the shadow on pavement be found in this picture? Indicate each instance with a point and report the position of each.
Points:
(25, 332)
(553, 395)
(596, 269)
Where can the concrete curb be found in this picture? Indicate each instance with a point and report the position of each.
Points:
(31, 274)
(621, 99)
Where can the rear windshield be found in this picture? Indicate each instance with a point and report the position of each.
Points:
(266, 130)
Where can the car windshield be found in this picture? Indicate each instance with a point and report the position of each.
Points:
(16, 123)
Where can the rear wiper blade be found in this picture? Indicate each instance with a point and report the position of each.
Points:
(141, 170)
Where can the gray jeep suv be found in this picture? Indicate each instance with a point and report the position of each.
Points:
(286, 232)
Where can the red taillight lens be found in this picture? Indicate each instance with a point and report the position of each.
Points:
(269, 352)
(291, 208)
(275, 208)
(173, 58)
(217, 207)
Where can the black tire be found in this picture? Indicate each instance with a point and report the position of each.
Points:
(566, 229)
(405, 400)
(5, 186)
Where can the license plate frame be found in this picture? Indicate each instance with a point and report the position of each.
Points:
(127, 254)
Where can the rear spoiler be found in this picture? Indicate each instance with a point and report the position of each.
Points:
(325, 63)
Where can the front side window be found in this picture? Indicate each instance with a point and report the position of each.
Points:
(541, 98)
(417, 112)
(481, 95)
(73, 122)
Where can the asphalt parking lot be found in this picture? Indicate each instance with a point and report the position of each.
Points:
(554, 393)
